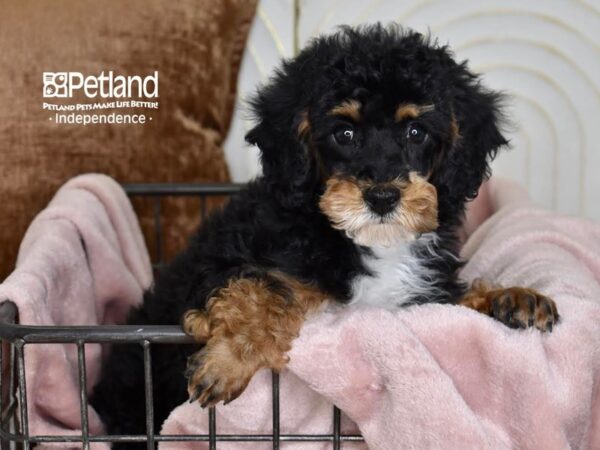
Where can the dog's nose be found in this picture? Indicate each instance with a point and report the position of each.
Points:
(382, 200)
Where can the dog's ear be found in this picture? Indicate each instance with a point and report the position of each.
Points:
(286, 163)
(283, 152)
(478, 117)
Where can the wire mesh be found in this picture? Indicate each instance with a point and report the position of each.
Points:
(14, 419)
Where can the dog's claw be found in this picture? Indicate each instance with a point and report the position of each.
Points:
(215, 374)
(195, 396)
(208, 400)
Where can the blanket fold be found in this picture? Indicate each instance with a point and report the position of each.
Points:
(83, 261)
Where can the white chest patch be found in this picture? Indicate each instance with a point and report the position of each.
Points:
(397, 276)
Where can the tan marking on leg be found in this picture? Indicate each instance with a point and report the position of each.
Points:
(251, 325)
(475, 298)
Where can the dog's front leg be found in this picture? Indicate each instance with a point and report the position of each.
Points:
(247, 325)
(516, 307)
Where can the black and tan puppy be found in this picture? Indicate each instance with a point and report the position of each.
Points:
(371, 140)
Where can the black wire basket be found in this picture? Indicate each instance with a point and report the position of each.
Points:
(14, 427)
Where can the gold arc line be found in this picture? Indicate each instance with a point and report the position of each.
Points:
(573, 64)
(262, 71)
(363, 15)
(542, 112)
(549, 123)
(272, 31)
(366, 11)
(550, 19)
(590, 7)
(520, 131)
(296, 24)
(486, 68)
(325, 18)
(529, 151)
(575, 112)
(555, 147)
(412, 11)
(503, 12)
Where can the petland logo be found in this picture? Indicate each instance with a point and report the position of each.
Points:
(105, 99)
(105, 85)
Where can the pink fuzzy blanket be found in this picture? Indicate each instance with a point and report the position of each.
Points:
(431, 376)
(83, 261)
(446, 377)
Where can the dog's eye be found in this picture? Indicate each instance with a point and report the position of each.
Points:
(343, 135)
(416, 134)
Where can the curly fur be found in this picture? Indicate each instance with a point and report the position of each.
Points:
(276, 223)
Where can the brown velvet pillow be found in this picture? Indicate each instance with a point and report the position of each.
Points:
(195, 46)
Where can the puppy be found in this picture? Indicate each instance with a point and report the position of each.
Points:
(372, 140)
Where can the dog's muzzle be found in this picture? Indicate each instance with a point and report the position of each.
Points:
(380, 214)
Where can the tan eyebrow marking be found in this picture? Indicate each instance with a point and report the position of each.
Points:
(411, 111)
(348, 108)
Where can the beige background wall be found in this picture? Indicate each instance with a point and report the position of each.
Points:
(544, 54)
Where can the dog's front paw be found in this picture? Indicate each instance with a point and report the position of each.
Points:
(247, 325)
(216, 373)
(522, 308)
